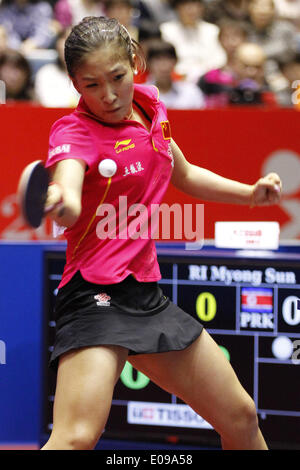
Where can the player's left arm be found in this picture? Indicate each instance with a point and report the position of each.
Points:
(204, 184)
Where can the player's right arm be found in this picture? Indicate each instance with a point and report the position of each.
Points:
(67, 179)
(71, 151)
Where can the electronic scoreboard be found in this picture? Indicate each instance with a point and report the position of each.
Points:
(248, 302)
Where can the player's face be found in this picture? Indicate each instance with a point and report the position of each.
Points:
(105, 81)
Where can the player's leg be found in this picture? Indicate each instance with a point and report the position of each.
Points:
(203, 378)
(85, 382)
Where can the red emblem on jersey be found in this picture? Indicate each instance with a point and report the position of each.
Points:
(166, 129)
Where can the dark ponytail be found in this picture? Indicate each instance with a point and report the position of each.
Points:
(94, 32)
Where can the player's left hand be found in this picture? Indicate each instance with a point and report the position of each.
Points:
(267, 191)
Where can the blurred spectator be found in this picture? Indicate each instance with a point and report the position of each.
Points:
(148, 30)
(291, 72)
(28, 24)
(248, 64)
(53, 87)
(246, 84)
(15, 72)
(178, 94)
(277, 37)
(288, 10)
(123, 11)
(3, 39)
(196, 41)
(217, 10)
(158, 11)
(71, 12)
(251, 85)
(232, 34)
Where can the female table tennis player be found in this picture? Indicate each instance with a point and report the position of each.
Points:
(109, 307)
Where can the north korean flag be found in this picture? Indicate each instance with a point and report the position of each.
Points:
(257, 299)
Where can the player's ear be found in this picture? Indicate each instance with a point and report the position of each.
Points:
(135, 64)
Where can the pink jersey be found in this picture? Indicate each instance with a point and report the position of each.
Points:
(107, 246)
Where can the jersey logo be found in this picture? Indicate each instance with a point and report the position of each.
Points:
(133, 168)
(103, 300)
(166, 129)
(65, 148)
(123, 145)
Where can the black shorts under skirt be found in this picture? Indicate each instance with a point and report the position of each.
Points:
(131, 314)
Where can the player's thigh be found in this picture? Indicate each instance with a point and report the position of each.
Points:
(200, 375)
(85, 382)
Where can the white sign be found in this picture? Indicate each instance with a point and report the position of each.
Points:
(164, 414)
(249, 235)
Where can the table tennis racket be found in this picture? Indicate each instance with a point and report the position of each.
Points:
(32, 193)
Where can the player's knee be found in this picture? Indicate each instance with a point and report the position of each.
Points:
(244, 418)
(249, 414)
(83, 438)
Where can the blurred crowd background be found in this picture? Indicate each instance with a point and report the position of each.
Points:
(199, 53)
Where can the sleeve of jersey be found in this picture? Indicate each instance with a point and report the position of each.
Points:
(70, 140)
(163, 109)
(154, 93)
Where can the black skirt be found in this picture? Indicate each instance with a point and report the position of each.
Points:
(132, 314)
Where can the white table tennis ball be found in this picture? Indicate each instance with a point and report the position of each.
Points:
(107, 168)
